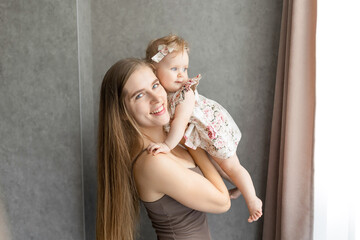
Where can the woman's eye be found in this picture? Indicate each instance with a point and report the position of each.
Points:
(156, 85)
(140, 95)
(173, 69)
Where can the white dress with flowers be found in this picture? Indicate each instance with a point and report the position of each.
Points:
(210, 127)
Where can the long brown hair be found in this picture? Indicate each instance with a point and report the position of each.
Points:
(119, 141)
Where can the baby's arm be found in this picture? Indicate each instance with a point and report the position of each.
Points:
(181, 119)
(178, 126)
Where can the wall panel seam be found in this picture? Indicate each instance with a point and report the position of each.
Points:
(80, 116)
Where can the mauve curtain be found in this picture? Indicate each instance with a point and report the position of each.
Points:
(288, 208)
(4, 229)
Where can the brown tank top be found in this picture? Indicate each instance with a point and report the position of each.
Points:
(174, 221)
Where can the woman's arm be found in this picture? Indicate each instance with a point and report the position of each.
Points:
(210, 172)
(178, 126)
(161, 175)
(233, 192)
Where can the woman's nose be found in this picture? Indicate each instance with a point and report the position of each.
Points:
(155, 98)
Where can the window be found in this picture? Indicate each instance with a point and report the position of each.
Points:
(337, 123)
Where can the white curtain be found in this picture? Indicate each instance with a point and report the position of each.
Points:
(337, 123)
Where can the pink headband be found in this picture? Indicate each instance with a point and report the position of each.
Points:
(163, 50)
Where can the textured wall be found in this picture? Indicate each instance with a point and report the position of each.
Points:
(233, 45)
(40, 153)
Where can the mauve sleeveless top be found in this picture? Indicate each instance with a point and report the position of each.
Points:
(174, 221)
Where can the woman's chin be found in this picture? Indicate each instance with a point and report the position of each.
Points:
(160, 120)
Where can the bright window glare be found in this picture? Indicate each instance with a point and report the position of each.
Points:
(337, 127)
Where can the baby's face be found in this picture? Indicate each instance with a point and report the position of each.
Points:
(172, 70)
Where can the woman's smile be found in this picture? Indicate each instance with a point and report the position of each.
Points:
(159, 111)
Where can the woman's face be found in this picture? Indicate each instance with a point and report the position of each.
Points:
(146, 99)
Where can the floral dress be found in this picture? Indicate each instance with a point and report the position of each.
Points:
(210, 127)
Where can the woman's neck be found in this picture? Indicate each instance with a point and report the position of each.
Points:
(156, 135)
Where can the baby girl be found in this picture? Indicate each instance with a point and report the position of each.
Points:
(200, 121)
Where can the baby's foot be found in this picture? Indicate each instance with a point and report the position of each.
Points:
(255, 209)
(234, 193)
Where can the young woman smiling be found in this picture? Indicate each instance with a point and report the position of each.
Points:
(175, 189)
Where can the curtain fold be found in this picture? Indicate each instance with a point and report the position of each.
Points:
(288, 208)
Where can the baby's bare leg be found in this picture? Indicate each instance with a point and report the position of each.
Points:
(242, 180)
(234, 192)
(219, 169)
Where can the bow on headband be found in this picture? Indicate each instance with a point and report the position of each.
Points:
(163, 50)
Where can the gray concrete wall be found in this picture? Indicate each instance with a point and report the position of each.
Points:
(53, 58)
(40, 151)
(233, 44)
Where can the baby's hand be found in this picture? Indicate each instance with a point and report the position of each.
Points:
(156, 148)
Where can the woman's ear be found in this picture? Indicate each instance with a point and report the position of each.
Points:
(124, 117)
(123, 111)
(153, 66)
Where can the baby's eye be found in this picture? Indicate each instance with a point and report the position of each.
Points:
(173, 69)
(140, 95)
(156, 85)
(184, 69)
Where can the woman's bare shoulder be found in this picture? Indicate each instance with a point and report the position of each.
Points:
(149, 173)
(149, 166)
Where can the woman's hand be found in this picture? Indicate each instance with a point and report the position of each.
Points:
(155, 148)
(234, 193)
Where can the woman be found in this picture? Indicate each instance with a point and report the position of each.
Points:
(133, 111)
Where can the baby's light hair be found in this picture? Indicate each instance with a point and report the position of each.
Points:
(171, 40)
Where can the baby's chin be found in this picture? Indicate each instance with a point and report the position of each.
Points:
(173, 90)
